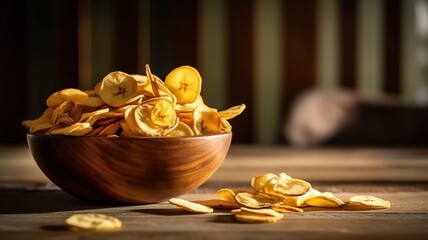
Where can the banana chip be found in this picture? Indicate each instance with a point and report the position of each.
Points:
(283, 208)
(135, 106)
(190, 206)
(69, 94)
(369, 201)
(90, 221)
(324, 200)
(77, 129)
(219, 203)
(206, 121)
(264, 212)
(182, 130)
(185, 83)
(226, 194)
(232, 112)
(163, 113)
(254, 200)
(254, 217)
(117, 88)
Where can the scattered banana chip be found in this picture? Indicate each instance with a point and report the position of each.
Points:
(248, 216)
(324, 200)
(91, 221)
(219, 204)
(254, 200)
(264, 212)
(190, 206)
(283, 208)
(135, 106)
(369, 201)
(262, 207)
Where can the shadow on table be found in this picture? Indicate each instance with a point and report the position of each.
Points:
(42, 201)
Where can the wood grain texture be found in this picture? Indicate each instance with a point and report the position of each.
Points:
(348, 43)
(406, 219)
(396, 174)
(128, 170)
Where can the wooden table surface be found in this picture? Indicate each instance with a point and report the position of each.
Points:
(33, 208)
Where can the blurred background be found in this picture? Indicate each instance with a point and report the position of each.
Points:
(264, 53)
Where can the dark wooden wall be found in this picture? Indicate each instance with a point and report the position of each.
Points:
(39, 45)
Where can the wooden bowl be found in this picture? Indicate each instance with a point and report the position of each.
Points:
(128, 170)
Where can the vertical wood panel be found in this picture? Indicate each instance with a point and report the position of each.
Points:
(328, 43)
(85, 46)
(125, 25)
(13, 66)
(392, 46)
(41, 56)
(66, 51)
(212, 60)
(173, 35)
(300, 48)
(348, 36)
(267, 70)
(239, 14)
(102, 39)
(143, 32)
(369, 47)
(411, 76)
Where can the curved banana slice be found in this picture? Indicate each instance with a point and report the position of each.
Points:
(117, 88)
(77, 129)
(69, 94)
(206, 121)
(163, 113)
(40, 124)
(153, 87)
(145, 126)
(185, 83)
(232, 112)
(182, 130)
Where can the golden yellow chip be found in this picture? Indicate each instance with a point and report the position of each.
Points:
(219, 203)
(226, 194)
(77, 129)
(92, 102)
(154, 108)
(95, 131)
(263, 211)
(254, 200)
(324, 200)
(117, 88)
(369, 201)
(40, 124)
(292, 187)
(92, 221)
(110, 129)
(182, 130)
(190, 206)
(253, 218)
(283, 208)
(206, 121)
(68, 94)
(185, 83)
(259, 182)
(62, 109)
(163, 114)
(300, 200)
(144, 125)
(232, 112)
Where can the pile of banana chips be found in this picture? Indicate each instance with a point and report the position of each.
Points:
(125, 105)
(275, 195)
